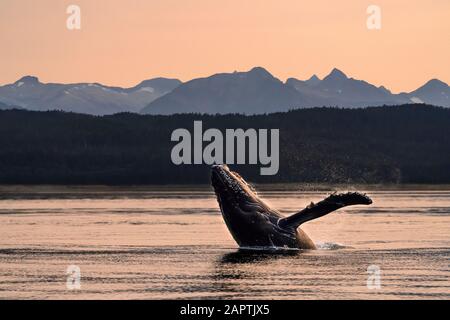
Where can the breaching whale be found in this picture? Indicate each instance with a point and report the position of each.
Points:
(253, 224)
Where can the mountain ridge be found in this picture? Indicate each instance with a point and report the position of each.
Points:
(255, 91)
(90, 98)
(336, 89)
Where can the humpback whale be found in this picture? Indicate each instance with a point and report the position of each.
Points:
(253, 224)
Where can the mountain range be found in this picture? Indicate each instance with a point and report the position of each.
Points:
(90, 98)
(253, 92)
(257, 91)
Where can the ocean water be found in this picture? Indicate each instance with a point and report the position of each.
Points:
(171, 243)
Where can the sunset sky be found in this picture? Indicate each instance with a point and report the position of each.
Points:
(122, 42)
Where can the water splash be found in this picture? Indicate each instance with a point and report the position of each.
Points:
(330, 245)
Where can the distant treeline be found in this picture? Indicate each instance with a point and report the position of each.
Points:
(390, 144)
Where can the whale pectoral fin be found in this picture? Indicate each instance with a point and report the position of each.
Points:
(330, 204)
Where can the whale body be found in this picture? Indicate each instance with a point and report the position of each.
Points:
(254, 224)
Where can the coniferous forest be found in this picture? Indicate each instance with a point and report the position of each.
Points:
(389, 144)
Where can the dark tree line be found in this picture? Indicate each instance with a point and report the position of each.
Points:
(390, 144)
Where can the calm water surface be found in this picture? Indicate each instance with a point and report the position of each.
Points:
(172, 244)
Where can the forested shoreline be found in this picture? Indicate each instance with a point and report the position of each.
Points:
(389, 144)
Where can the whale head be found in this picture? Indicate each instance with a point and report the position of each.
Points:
(234, 193)
(231, 188)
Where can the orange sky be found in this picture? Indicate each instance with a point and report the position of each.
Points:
(122, 42)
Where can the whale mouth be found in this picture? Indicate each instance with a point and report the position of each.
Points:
(222, 179)
(231, 186)
(218, 178)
